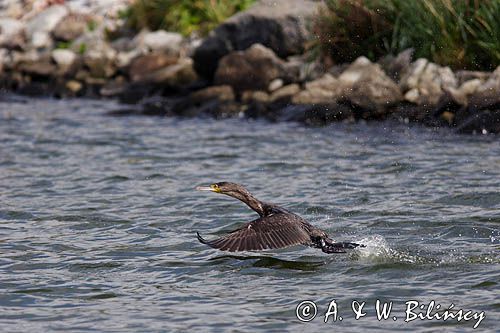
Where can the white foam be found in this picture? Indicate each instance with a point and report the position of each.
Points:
(377, 250)
(376, 247)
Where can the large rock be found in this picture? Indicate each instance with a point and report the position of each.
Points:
(252, 69)
(11, 33)
(425, 82)
(39, 28)
(161, 41)
(366, 85)
(278, 24)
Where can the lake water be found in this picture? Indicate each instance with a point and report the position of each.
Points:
(98, 216)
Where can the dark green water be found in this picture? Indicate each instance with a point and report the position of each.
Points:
(98, 218)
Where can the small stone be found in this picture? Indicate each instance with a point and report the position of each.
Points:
(176, 75)
(412, 77)
(355, 70)
(143, 66)
(324, 90)
(74, 86)
(448, 116)
(412, 95)
(221, 93)
(114, 87)
(285, 92)
(99, 67)
(125, 58)
(41, 39)
(275, 85)
(255, 96)
(326, 82)
(64, 58)
(82, 75)
(70, 28)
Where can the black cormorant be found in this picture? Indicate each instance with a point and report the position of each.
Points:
(275, 228)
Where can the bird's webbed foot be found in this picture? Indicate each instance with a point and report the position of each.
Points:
(328, 246)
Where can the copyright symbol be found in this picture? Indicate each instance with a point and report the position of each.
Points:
(306, 311)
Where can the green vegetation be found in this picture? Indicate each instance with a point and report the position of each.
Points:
(184, 16)
(82, 48)
(91, 25)
(458, 33)
(63, 45)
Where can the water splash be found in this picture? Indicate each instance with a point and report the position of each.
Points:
(377, 250)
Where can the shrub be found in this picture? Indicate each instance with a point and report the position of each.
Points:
(184, 16)
(458, 33)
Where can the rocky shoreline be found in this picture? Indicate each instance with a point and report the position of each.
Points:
(253, 65)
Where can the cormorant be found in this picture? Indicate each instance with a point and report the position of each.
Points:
(275, 228)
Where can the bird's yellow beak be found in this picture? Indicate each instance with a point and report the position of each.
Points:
(211, 188)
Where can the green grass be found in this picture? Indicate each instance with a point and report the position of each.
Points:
(458, 33)
(183, 16)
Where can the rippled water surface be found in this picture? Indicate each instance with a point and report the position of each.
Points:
(98, 216)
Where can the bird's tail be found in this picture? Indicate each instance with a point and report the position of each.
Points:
(328, 246)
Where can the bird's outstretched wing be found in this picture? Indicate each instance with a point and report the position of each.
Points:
(270, 232)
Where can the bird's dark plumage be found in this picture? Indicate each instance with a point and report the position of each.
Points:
(275, 228)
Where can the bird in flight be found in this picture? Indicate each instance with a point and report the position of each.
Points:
(275, 228)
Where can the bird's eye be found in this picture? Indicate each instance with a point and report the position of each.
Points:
(215, 186)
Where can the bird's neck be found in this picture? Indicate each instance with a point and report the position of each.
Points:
(253, 203)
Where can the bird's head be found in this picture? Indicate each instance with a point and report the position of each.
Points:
(227, 188)
(236, 191)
